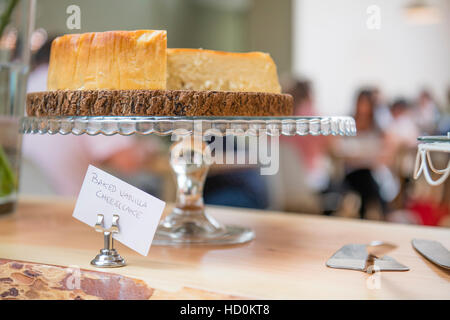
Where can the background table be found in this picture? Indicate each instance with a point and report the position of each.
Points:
(285, 261)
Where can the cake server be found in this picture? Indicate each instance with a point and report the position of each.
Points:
(360, 256)
(433, 251)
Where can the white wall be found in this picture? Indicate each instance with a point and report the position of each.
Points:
(333, 47)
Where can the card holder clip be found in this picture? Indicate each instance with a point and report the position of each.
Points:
(108, 256)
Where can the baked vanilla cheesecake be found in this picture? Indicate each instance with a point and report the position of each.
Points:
(109, 60)
(132, 73)
(202, 70)
(126, 60)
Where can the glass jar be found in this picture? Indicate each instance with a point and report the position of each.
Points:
(16, 25)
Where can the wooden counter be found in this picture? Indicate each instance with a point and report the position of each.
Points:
(285, 261)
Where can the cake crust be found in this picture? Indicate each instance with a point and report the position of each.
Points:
(157, 103)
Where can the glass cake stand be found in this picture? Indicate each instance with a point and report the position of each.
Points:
(424, 164)
(188, 223)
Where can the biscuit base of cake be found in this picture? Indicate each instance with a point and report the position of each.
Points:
(157, 103)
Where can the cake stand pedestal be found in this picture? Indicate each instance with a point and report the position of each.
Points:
(188, 223)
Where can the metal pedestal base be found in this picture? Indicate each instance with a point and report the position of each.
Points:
(108, 256)
(108, 259)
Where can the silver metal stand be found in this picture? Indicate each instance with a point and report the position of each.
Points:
(108, 256)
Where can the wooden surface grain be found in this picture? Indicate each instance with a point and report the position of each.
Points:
(285, 261)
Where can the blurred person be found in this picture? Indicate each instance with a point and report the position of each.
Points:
(426, 113)
(403, 131)
(304, 163)
(312, 149)
(430, 205)
(236, 185)
(383, 116)
(400, 151)
(37, 79)
(366, 173)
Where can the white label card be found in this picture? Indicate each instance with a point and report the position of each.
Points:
(139, 213)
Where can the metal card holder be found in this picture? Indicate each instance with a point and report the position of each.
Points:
(108, 256)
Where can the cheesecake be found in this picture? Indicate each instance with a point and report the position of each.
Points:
(109, 60)
(203, 70)
(132, 73)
